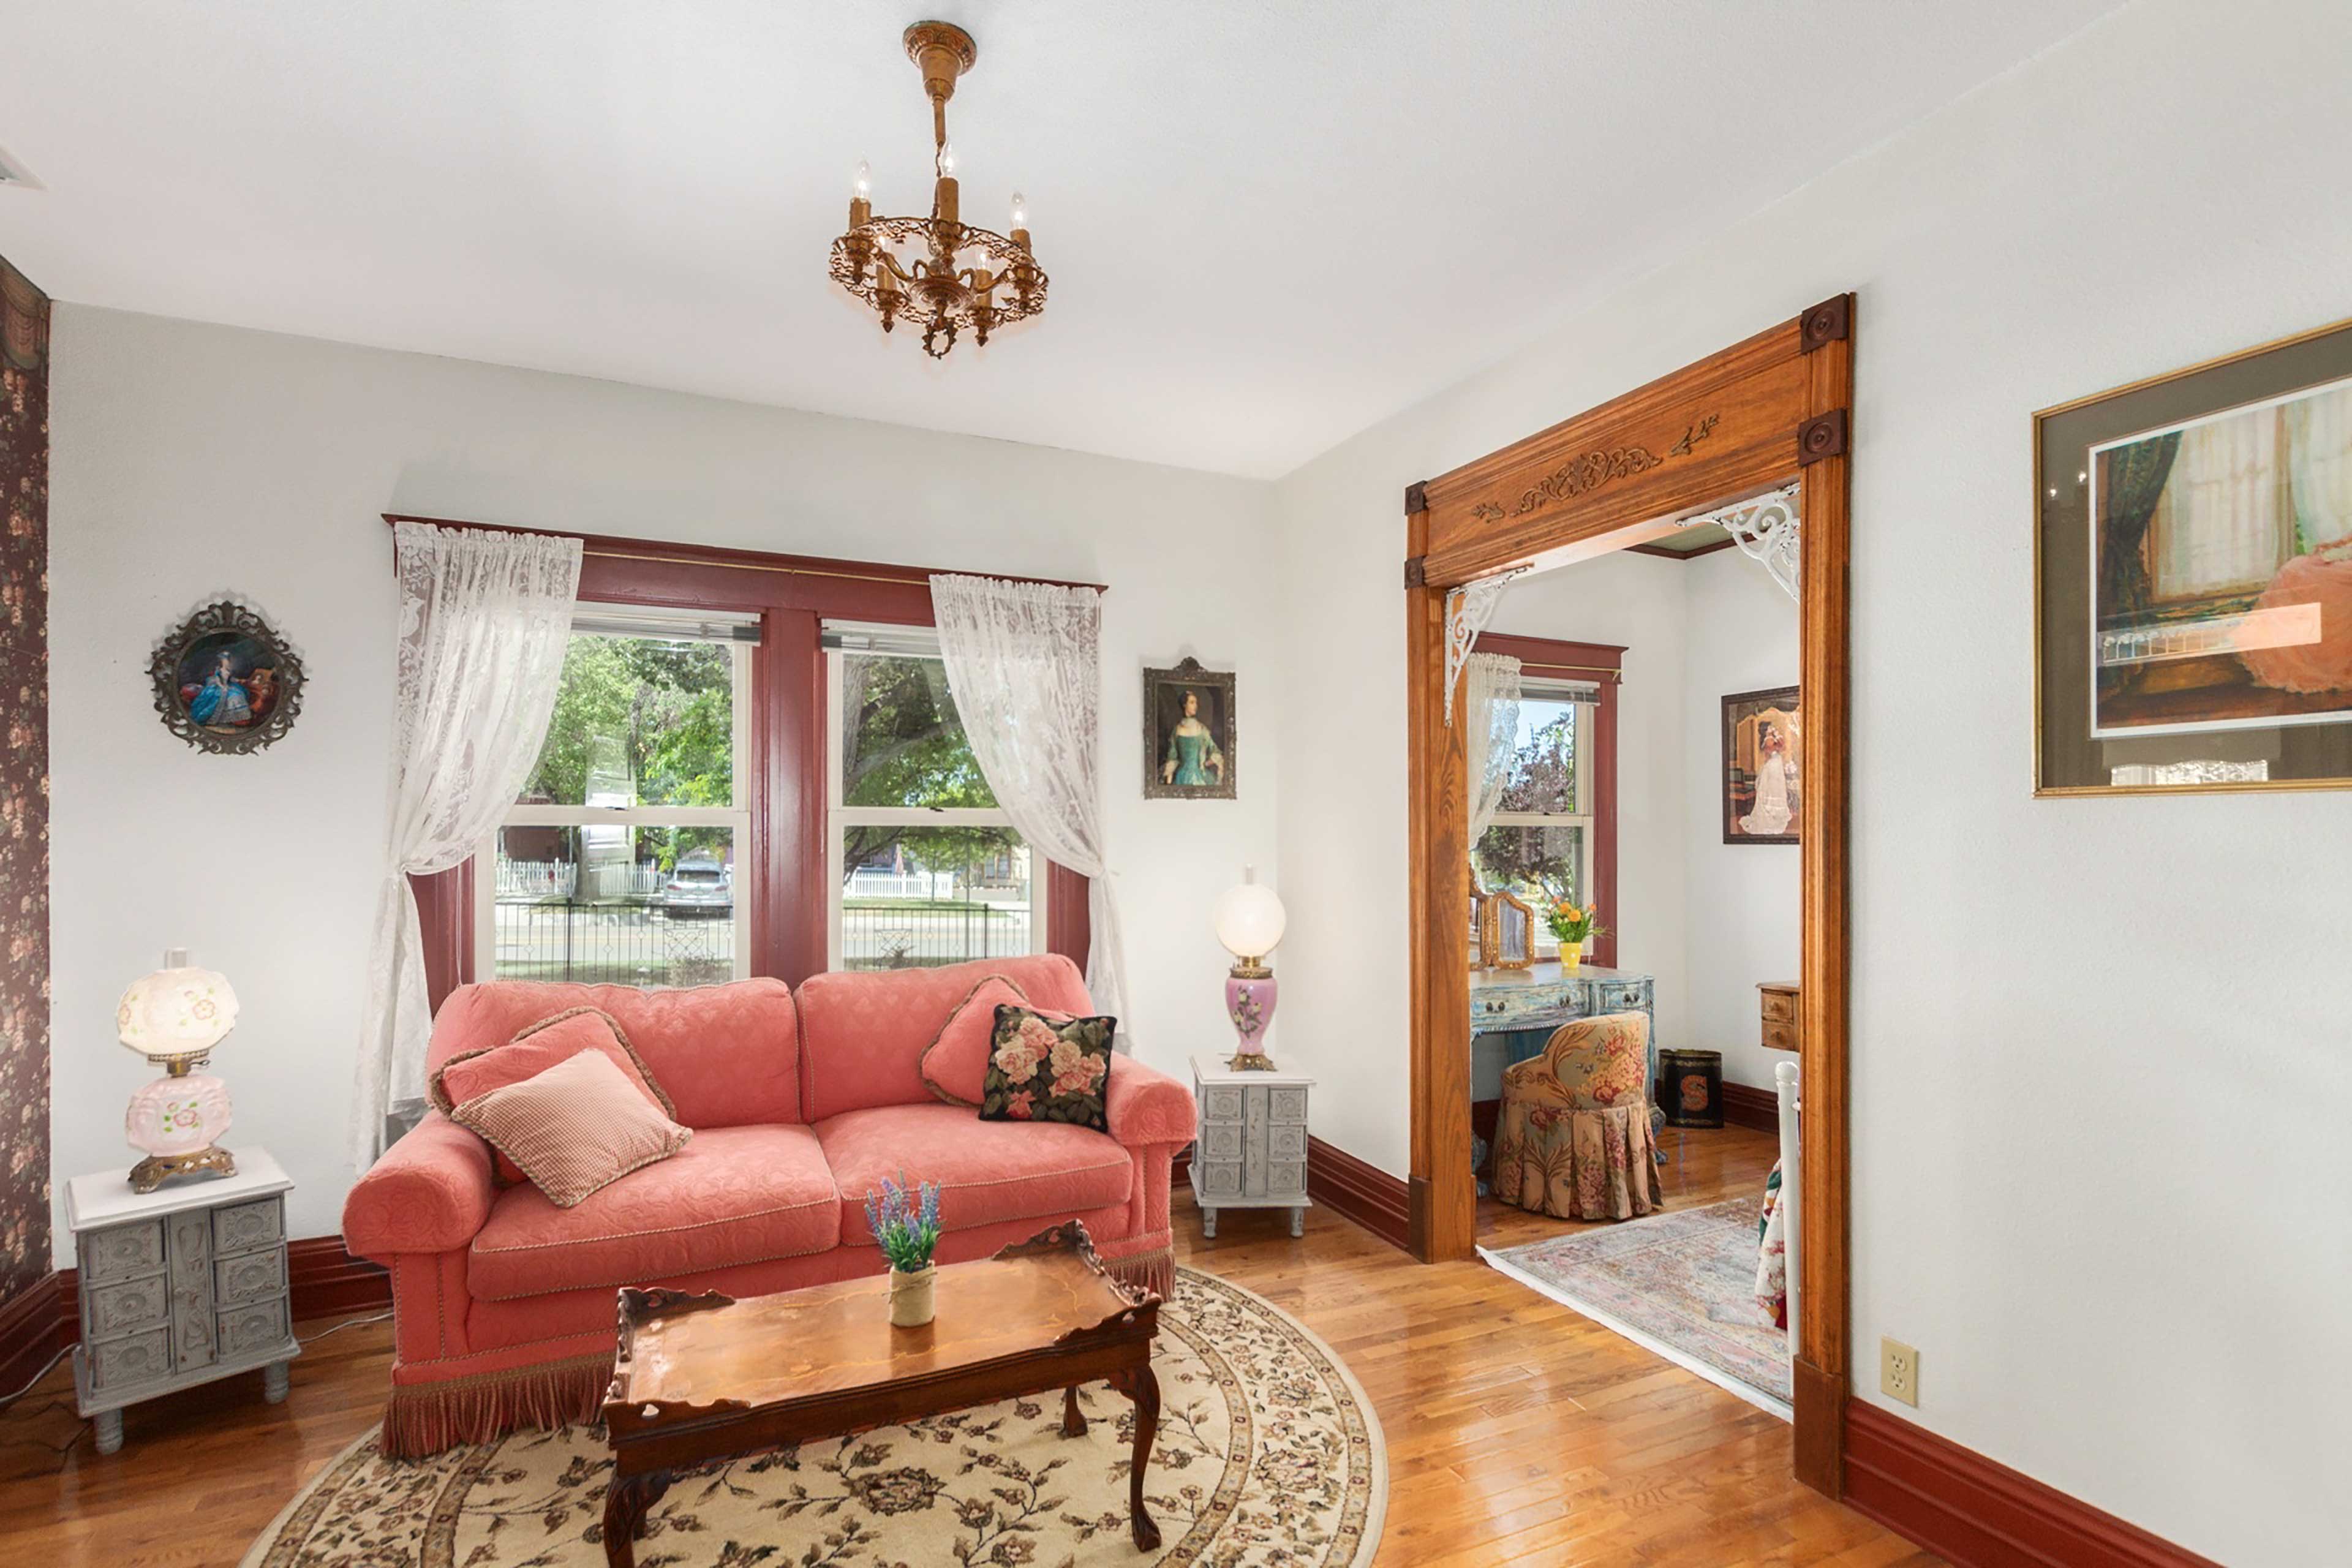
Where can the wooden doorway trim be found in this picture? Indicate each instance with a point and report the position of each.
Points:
(1764, 413)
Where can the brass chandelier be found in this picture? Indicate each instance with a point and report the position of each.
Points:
(954, 276)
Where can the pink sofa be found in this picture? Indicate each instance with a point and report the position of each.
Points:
(503, 1304)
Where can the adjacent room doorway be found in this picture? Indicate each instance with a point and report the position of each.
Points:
(1769, 413)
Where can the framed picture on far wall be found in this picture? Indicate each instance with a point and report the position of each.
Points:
(1188, 733)
(1763, 793)
(2193, 622)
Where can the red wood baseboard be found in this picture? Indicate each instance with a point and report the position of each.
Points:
(1745, 1106)
(33, 1328)
(1979, 1514)
(325, 1281)
(1379, 1202)
(1340, 1183)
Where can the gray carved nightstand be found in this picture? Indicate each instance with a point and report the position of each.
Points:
(180, 1287)
(1250, 1148)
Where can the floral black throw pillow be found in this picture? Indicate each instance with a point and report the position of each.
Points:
(1047, 1069)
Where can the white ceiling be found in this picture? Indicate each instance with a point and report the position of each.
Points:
(1267, 225)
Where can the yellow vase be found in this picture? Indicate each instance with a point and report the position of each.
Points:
(1571, 956)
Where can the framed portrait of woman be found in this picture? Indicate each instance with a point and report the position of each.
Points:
(1763, 795)
(226, 681)
(1188, 733)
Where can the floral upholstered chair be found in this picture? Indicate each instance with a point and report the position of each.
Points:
(1574, 1137)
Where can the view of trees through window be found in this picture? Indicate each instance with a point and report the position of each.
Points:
(1538, 846)
(930, 868)
(643, 721)
(617, 861)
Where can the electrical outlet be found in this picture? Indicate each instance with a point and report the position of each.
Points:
(1898, 1372)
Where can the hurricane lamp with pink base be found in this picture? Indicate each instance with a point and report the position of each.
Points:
(1250, 919)
(174, 1017)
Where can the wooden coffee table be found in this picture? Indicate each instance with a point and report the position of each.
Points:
(699, 1378)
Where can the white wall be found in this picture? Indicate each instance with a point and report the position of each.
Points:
(192, 462)
(2101, 1047)
(1741, 901)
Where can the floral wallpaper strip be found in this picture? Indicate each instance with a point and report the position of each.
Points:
(24, 784)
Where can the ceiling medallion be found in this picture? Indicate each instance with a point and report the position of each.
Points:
(954, 276)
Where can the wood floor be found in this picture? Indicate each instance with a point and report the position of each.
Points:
(1518, 1431)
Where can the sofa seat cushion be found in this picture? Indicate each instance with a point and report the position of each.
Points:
(988, 1172)
(733, 1196)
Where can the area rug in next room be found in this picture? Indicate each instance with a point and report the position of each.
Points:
(1682, 1283)
(1268, 1453)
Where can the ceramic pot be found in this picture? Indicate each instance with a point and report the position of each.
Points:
(1571, 956)
(913, 1296)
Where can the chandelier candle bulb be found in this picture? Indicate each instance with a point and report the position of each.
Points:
(947, 206)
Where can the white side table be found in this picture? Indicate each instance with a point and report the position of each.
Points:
(1249, 1150)
(183, 1286)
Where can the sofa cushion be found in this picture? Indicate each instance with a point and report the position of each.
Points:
(574, 1129)
(1047, 1069)
(863, 1032)
(734, 1195)
(726, 1056)
(538, 1047)
(955, 1064)
(988, 1172)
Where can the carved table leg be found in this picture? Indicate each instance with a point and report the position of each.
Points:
(273, 1382)
(1208, 1224)
(1074, 1420)
(1297, 1222)
(108, 1427)
(1143, 1385)
(626, 1502)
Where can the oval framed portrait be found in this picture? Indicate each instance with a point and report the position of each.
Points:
(226, 681)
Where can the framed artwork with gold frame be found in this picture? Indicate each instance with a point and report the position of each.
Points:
(2193, 577)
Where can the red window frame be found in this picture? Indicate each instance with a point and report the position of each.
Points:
(1604, 663)
(793, 595)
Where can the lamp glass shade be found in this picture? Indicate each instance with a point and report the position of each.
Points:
(175, 1013)
(1249, 920)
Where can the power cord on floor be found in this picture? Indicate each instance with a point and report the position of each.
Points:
(339, 1328)
(29, 1387)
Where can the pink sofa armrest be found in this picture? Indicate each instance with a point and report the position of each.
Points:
(430, 1193)
(1144, 1106)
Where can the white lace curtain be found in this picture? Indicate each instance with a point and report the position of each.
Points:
(1025, 663)
(1491, 699)
(484, 621)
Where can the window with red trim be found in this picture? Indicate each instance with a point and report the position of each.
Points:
(1556, 835)
(778, 857)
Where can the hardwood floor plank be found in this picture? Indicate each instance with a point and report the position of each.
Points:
(1517, 1430)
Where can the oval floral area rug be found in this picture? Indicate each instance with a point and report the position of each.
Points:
(1268, 1454)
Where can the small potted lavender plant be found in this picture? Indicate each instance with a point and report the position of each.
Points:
(906, 1225)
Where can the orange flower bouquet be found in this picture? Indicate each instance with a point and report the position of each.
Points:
(1570, 921)
(1574, 924)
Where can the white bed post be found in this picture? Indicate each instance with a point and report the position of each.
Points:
(1792, 1185)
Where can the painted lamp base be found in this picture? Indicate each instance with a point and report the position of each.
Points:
(1249, 1003)
(178, 1122)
